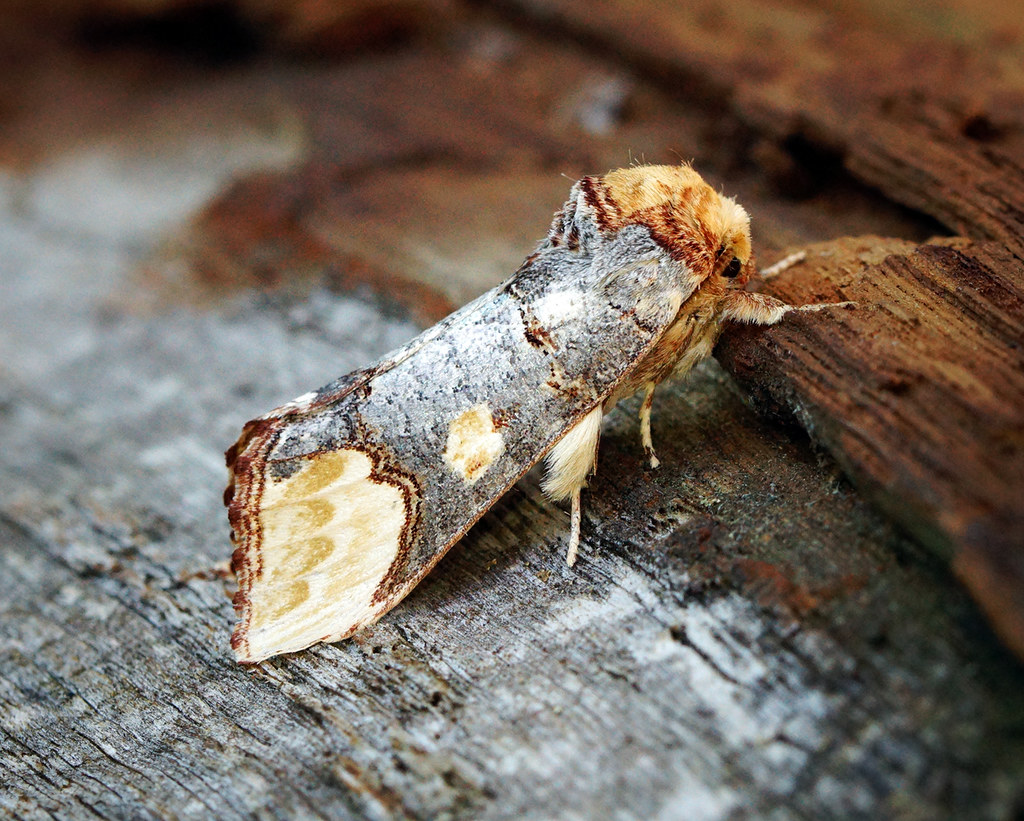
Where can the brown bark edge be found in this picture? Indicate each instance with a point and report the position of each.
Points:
(918, 392)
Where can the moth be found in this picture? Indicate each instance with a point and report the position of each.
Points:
(342, 500)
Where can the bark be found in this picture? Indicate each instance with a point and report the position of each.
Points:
(927, 111)
(918, 392)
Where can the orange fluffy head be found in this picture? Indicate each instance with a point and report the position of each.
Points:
(686, 216)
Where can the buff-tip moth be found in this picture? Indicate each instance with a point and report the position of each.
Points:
(343, 499)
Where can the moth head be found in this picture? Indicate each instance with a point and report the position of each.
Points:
(733, 259)
(708, 232)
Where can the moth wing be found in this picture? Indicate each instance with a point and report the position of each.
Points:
(343, 500)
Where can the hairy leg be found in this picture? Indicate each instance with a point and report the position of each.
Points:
(645, 424)
(759, 309)
(569, 463)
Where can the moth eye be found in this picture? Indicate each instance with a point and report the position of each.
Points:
(733, 269)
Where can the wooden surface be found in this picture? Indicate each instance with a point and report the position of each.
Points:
(918, 391)
(747, 634)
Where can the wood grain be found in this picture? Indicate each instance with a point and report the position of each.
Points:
(918, 392)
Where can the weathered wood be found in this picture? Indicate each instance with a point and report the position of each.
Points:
(918, 392)
(926, 158)
(742, 637)
(736, 636)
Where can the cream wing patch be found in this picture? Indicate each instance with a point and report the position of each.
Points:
(473, 443)
(330, 533)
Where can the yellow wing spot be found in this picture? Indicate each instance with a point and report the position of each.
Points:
(292, 597)
(309, 515)
(473, 443)
(304, 556)
(322, 471)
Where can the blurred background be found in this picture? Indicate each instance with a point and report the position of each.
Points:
(241, 117)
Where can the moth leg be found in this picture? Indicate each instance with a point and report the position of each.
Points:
(569, 463)
(645, 423)
(759, 309)
(574, 529)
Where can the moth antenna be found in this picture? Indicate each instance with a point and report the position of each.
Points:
(783, 264)
(824, 306)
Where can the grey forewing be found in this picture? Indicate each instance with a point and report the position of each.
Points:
(596, 316)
